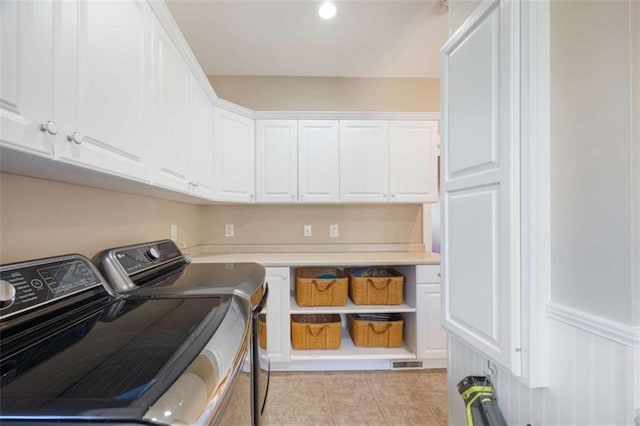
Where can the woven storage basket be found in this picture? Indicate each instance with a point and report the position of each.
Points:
(379, 334)
(372, 290)
(262, 331)
(316, 331)
(314, 291)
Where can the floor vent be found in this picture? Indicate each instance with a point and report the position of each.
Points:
(396, 365)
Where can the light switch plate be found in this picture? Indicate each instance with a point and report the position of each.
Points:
(307, 230)
(228, 230)
(334, 230)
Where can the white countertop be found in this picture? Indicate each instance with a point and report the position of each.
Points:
(323, 258)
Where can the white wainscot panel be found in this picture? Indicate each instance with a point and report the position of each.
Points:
(591, 382)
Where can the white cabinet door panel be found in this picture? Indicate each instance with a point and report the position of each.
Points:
(26, 75)
(201, 153)
(278, 323)
(234, 150)
(432, 342)
(364, 160)
(480, 211)
(413, 161)
(106, 107)
(318, 161)
(276, 161)
(172, 88)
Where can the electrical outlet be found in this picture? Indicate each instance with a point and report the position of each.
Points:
(174, 233)
(228, 230)
(307, 230)
(334, 230)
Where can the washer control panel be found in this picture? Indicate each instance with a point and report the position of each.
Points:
(135, 259)
(27, 285)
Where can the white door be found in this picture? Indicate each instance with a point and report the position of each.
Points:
(201, 151)
(172, 122)
(318, 161)
(364, 160)
(413, 168)
(234, 137)
(276, 161)
(480, 155)
(26, 76)
(278, 323)
(104, 77)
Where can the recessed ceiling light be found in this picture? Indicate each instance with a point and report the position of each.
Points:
(327, 10)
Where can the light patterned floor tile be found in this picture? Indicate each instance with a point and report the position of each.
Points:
(367, 415)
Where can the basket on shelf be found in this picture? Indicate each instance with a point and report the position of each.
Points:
(375, 286)
(376, 330)
(316, 331)
(262, 331)
(321, 287)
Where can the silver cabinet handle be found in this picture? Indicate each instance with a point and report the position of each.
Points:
(75, 137)
(384, 195)
(50, 127)
(393, 195)
(251, 196)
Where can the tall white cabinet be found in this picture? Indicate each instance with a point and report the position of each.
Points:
(495, 215)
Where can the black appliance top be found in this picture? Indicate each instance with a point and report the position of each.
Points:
(159, 268)
(84, 354)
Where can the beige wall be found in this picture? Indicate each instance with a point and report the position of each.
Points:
(41, 218)
(282, 224)
(263, 93)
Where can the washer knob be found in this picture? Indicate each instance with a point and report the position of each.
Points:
(7, 294)
(153, 253)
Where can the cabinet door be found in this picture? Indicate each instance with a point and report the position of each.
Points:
(276, 161)
(364, 160)
(278, 324)
(26, 76)
(432, 340)
(234, 137)
(480, 209)
(104, 86)
(201, 151)
(413, 168)
(172, 100)
(318, 161)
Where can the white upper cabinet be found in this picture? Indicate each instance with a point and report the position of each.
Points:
(26, 76)
(201, 151)
(318, 161)
(413, 160)
(480, 187)
(276, 161)
(234, 150)
(103, 91)
(364, 160)
(173, 119)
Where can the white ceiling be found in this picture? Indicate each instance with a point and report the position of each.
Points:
(288, 38)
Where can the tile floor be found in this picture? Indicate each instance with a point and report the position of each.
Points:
(371, 398)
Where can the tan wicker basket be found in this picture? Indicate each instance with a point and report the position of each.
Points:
(262, 330)
(377, 290)
(379, 334)
(314, 291)
(316, 331)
